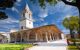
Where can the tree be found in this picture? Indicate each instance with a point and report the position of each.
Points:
(7, 3)
(3, 15)
(3, 5)
(71, 23)
(75, 3)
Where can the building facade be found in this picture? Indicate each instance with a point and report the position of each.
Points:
(40, 34)
(3, 39)
(30, 34)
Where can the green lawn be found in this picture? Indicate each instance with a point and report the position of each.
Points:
(14, 46)
(72, 48)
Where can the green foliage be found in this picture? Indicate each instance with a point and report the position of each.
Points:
(7, 3)
(3, 15)
(52, 1)
(74, 1)
(71, 23)
(42, 3)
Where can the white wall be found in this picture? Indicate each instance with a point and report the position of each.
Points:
(29, 24)
(63, 36)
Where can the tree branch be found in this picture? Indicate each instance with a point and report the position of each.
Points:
(69, 3)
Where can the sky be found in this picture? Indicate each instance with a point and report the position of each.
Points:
(52, 14)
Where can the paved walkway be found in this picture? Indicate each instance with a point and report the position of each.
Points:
(54, 45)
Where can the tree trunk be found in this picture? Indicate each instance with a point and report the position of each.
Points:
(72, 36)
(71, 33)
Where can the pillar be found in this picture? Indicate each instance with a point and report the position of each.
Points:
(15, 37)
(21, 38)
(46, 37)
(27, 36)
(50, 37)
(36, 37)
(24, 37)
(62, 35)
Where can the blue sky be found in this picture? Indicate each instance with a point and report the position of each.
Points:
(50, 15)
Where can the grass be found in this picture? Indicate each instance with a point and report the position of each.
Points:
(74, 47)
(14, 46)
(71, 47)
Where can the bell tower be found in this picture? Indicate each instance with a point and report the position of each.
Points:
(26, 21)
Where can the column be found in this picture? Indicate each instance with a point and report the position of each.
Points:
(50, 37)
(53, 37)
(15, 37)
(21, 37)
(36, 37)
(27, 36)
(46, 37)
(24, 37)
(62, 35)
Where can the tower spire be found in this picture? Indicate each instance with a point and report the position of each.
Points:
(26, 21)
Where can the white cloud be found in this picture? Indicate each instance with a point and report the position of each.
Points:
(19, 0)
(8, 21)
(68, 16)
(7, 24)
(66, 31)
(69, 0)
(36, 19)
(43, 24)
(14, 9)
(42, 19)
(43, 13)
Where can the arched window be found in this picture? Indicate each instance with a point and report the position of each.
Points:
(23, 14)
(29, 16)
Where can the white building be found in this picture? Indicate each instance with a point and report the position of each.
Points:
(26, 21)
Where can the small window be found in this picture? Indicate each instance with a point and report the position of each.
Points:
(29, 16)
(23, 14)
(29, 22)
(26, 11)
(21, 27)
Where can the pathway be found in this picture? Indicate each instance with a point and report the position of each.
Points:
(54, 45)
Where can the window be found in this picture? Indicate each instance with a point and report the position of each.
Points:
(23, 14)
(29, 16)
(21, 27)
(29, 22)
(26, 11)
